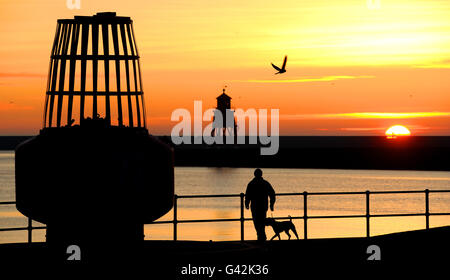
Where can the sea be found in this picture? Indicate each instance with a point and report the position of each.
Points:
(212, 181)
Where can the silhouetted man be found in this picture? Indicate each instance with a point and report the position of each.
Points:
(257, 196)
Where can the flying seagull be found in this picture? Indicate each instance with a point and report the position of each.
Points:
(283, 69)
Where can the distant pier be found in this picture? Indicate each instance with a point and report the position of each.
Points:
(327, 152)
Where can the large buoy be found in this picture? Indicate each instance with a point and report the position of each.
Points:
(94, 175)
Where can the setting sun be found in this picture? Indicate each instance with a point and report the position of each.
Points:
(397, 130)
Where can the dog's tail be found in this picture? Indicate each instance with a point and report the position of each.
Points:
(290, 218)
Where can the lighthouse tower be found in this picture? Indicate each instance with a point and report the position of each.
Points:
(224, 122)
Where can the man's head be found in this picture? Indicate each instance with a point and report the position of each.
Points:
(258, 172)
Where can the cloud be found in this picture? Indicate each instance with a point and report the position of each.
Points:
(367, 115)
(433, 66)
(362, 128)
(443, 64)
(409, 115)
(310, 79)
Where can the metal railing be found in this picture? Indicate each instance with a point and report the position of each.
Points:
(305, 216)
(175, 221)
(28, 228)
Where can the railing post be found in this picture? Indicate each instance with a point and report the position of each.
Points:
(305, 214)
(30, 230)
(427, 209)
(242, 216)
(175, 221)
(368, 213)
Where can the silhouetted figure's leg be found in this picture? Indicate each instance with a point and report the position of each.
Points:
(259, 218)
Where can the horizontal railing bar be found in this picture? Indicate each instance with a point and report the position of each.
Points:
(39, 227)
(97, 57)
(218, 220)
(160, 222)
(289, 194)
(438, 191)
(213, 220)
(316, 193)
(277, 218)
(319, 217)
(371, 192)
(7, 202)
(13, 229)
(439, 214)
(94, 93)
(335, 193)
(20, 228)
(301, 218)
(208, 195)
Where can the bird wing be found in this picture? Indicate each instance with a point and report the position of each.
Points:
(276, 67)
(284, 62)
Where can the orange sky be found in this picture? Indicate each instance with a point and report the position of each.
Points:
(352, 70)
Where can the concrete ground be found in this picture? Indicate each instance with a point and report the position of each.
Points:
(250, 259)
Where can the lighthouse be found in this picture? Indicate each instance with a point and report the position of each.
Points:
(224, 122)
(94, 175)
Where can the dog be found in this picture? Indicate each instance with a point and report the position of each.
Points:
(279, 227)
